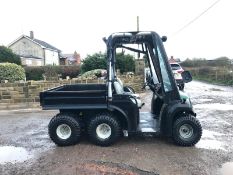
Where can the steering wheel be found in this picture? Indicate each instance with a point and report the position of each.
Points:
(153, 87)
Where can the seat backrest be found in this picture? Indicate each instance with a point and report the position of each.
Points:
(119, 81)
(118, 88)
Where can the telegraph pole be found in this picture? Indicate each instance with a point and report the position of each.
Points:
(137, 31)
(137, 23)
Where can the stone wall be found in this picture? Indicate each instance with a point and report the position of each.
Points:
(26, 95)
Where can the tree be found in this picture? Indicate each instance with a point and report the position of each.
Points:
(95, 61)
(223, 61)
(6, 55)
(200, 62)
(195, 62)
(124, 62)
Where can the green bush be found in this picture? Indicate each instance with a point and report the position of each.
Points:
(71, 71)
(51, 72)
(37, 72)
(124, 62)
(6, 55)
(93, 74)
(34, 73)
(219, 75)
(11, 72)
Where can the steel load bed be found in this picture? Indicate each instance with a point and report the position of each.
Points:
(77, 96)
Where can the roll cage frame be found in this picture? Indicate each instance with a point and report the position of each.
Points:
(150, 43)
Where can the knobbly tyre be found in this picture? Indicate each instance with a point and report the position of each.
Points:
(105, 111)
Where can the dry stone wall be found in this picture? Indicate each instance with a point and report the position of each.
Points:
(26, 95)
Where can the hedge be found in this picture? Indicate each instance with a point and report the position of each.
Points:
(93, 74)
(11, 72)
(38, 72)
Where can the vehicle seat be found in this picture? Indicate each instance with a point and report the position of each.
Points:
(120, 90)
(130, 93)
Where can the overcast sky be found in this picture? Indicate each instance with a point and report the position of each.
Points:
(80, 25)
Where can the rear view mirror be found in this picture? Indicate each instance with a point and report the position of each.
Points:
(164, 38)
(105, 40)
(187, 77)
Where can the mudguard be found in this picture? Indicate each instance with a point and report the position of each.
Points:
(123, 114)
(170, 114)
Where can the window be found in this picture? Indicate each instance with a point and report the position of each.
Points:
(175, 66)
(164, 72)
(38, 62)
(28, 62)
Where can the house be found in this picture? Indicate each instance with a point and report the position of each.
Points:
(35, 52)
(71, 59)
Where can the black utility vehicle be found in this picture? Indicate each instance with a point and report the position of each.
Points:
(107, 111)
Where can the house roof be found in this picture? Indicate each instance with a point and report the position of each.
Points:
(67, 55)
(43, 44)
(71, 57)
(30, 56)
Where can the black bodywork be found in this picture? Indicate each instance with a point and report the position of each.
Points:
(92, 97)
(180, 84)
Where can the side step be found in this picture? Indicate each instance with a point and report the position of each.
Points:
(148, 123)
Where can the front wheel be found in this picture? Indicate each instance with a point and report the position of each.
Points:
(104, 129)
(187, 131)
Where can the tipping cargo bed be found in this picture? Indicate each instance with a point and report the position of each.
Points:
(77, 96)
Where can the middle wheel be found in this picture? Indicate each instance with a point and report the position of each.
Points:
(104, 129)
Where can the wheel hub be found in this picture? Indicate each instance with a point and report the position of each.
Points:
(186, 131)
(63, 131)
(103, 131)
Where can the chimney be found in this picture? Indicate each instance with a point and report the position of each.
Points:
(31, 34)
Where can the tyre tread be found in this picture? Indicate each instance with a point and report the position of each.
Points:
(75, 124)
(104, 117)
(176, 138)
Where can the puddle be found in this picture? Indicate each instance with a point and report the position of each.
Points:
(208, 141)
(210, 134)
(204, 100)
(215, 89)
(215, 106)
(210, 144)
(227, 169)
(11, 154)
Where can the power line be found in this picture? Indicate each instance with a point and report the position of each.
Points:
(196, 18)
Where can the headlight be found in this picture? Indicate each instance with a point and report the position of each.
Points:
(177, 76)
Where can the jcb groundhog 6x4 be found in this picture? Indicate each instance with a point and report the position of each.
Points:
(105, 111)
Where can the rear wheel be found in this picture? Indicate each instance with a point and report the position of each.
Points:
(104, 129)
(187, 131)
(64, 130)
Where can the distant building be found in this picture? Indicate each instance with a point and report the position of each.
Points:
(174, 60)
(71, 59)
(35, 52)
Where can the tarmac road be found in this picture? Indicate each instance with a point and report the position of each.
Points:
(25, 147)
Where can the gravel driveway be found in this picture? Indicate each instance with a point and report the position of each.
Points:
(25, 147)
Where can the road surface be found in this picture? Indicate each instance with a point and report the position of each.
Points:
(25, 147)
